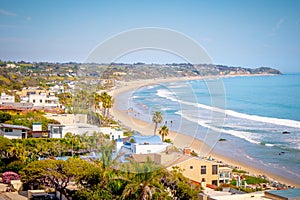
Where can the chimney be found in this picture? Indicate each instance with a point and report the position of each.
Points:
(187, 151)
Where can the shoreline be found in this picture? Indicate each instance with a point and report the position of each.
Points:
(181, 140)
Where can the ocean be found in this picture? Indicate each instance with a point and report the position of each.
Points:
(258, 116)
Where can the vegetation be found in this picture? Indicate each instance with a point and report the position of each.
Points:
(17, 153)
(168, 140)
(27, 119)
(9, 176)
(107, 179)
(239, 171)
(157, 118)
(163, 131)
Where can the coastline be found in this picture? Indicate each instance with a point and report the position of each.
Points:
(181, 140)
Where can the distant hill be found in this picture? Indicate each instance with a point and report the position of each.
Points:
(15, 75)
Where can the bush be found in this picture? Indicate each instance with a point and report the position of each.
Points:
(8, 176)
(168, 141)
(15, 166)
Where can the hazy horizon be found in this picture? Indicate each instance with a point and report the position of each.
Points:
(249, 34)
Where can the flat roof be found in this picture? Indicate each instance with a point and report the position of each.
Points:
(289, 194)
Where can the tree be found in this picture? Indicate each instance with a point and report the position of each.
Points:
(4, 117)
(157, 118)
(97, 100)
(66, 99)
(144, 182)
(163, 131)
(107, 103)
(56, 174)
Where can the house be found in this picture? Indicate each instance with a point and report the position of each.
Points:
(224, 174)
(5, 98)
(44, 100)
(147, 144)
(13, 131)
(198, 170)
(55, 130)
(37, 131)
(114, 133)
(31, 90)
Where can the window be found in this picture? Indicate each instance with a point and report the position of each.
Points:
(8, 130)
(33, 100)
(191, 167)
(148, 151)
(214, 182)
(215, 169)
(203, 169)
(41, 101)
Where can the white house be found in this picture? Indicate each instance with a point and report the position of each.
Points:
(42, 100)
(147, 144)
(5, 98)
(13, 131)
(55, 130)
(114, 133)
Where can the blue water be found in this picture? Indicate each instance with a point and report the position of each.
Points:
(252, 114)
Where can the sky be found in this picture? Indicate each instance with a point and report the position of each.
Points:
(248, 33)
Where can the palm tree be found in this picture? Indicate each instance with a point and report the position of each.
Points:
(107, 103)
(97, 99)
(144, 182)
(157, 118)
(163, 131)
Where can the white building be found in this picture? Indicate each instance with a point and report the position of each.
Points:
(42, 100)
(13, 131)
(114, 133)
(55, 130)
(5, 98)
(147, 144)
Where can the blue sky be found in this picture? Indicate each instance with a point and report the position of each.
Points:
(237, 33)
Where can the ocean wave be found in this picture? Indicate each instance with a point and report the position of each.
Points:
(277, 121)
(248, 136)
(166, 94)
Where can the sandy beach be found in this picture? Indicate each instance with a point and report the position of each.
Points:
(179, 140)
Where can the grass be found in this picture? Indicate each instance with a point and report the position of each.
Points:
(239, 171)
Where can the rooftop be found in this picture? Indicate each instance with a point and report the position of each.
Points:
(155, 139)
(285, 194)
(14, 126)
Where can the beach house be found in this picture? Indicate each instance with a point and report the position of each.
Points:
(44, 100)
(114, 133)
(13, 131)
(198, 170)
(147, 144)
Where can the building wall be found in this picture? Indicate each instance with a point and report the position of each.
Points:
(192, 170)
(42, 100)
(148, 148)
(14, 134)
(4, 98)
(113, 133)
